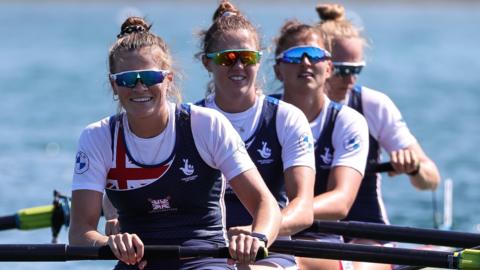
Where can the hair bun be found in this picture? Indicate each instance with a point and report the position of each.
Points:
(330, 12)
(225, 9)
(134, 25)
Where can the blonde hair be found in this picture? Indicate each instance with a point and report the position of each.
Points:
(134, 35)
(334, 24)
(294, 28)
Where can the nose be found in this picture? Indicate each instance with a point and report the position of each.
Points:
(139, 86)
(238, 63)
(305, 60)
(350, 78)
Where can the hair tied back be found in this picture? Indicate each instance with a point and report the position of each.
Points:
(133, 29)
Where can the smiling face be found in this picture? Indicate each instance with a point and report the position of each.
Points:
(306, 77)
(141, 102)
(344, 50)
(238, 80)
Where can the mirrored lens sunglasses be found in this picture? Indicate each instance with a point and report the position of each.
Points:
(148, 77)
(347, 68)
(294, 55)
(230, 57)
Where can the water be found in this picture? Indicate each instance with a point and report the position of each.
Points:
(54, 82)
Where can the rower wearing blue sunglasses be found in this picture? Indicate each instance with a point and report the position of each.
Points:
(163, 167)
(340, 133)
(387, 128)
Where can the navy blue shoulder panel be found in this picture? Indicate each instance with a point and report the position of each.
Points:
(201, 103)
(355, 101)
(324, 149)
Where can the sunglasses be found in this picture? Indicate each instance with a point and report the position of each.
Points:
(294, 55)
(345, 69)
(230, 57)
(148, 77)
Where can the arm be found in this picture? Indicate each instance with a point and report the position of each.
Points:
(112, 226)
(85, 213)
(343, 185)
(422, 170)
(260, 203)
(298, 214)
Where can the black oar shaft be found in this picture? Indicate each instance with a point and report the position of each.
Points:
(365, 253)
(398, 233)
(380, 168)
(62, 252)
(8, 222)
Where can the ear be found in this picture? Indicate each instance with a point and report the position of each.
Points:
(279, 76)
(329, 70)
(170, 76)
(205, 62)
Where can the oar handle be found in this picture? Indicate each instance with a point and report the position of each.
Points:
(380, 168)
(62, 252)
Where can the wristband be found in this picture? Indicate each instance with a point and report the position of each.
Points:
(260, 236)
(416, 171)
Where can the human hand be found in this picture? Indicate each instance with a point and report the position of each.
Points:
(239, 229)
(404, 161)
(112, 226)
(243, 248)
(128, 248)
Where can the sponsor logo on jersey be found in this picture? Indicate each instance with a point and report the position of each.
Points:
(352, 144)
(188, 170)
(306, 142)
(161, 205)
(327, 156)
(265, 153)
(81, 163)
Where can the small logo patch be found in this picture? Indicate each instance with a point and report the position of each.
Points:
(81, 163)
(327, 156)
(265, 152)
(306, 142)
(352, 144)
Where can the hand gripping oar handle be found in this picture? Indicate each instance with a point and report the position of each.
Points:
(62, 252)
(380, 168)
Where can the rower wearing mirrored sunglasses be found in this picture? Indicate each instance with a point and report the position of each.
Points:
(277, 134)
(387, 128)
(164, 167)
(340, 133)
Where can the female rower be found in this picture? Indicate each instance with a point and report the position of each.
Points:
(161, 165)
(340, 133)
(387, 128)
(277, 134)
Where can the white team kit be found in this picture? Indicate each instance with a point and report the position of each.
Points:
(217, 143)
(291, 127)
(385, 122)
(350, 126)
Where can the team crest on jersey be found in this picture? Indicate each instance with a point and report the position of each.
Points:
(306, 142)
(265, 153)
(81, 163)
(326, 157)
(352, 144)
(161, 205)
(188, 170)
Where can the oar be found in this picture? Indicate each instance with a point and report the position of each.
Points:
(54, 215)
(466, 259)
(397, 233)
(63, 252)
(380, 167)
